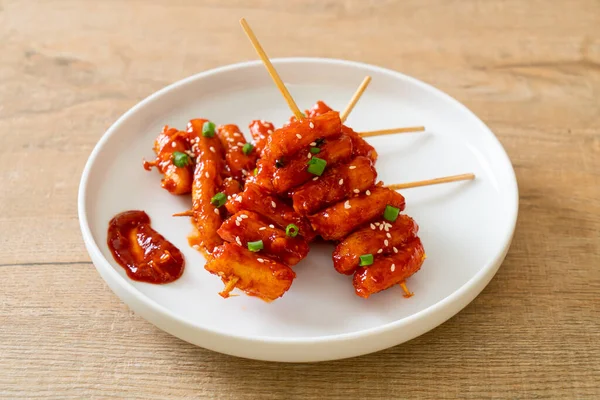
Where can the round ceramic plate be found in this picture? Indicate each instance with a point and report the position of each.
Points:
(466, 227)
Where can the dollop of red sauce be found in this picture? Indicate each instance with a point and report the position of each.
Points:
(144, 253)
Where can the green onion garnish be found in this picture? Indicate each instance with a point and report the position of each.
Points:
(291, 230)
(365, 260)
(391, 213)
(208, 129)
(247, 148)
(180, 159)
(219, 199)
(255, 246)
(316, 166)
(315, 150)
(255, 171)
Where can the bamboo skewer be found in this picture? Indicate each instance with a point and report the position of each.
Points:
(428, 182)
(344, 114)
(274, 75)
(394, 186)
(392, 131)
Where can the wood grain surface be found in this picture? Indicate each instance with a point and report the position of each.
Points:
(529, 69)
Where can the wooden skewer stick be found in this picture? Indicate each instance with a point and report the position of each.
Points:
(392, 131)
(186, 213)
(428, 182)
(274, 75)
(355, 98)
(229, 287)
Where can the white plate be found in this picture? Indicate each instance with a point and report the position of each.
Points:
(466, 228)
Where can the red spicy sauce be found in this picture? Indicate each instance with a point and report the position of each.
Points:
(144, 253)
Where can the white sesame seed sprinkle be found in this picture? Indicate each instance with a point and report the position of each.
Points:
(341, 182)
(309, 155)
(315, 178)
(311, 125)
(388, 235)
(243, 216)
(216, 211)
(273, 204)
(262, 228)
(372, 226)
(270, 131)
(356, 191)
(299, 136)
(393, 267)
(368, 192)
(381, 227)
(238, 241)
(379, 251)
(212, 149)
(272, 226)
(386, 242)
(347, 204)
(173, 144)
(313, 143)
(395, 249)
(352, 167)
(387, 228)
(206, 174)
(237, 222)
(240, 144)
(260, 260)
(377, 223)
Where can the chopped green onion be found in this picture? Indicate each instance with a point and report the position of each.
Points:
(319, 142)
(255, 246)
(255, 171)
(180, 159)
(219, 199)
(391, 213)
(365, 260)
(316, 166)
(247, 148)
(208, 129)
(315, 150)
(291, 230)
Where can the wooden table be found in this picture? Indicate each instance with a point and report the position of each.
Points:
(530, 70)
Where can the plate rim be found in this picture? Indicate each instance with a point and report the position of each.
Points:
(464, 294)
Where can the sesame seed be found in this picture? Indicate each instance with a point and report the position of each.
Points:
(206, 174)
(299, 136)
(173, 144)
(356, 191)
(368, 192)
(313, 143)
(315, 178)
(196, 247)
(272, 226)
(347, 204)
(377, 223)
(262, 228)
(386, 242)
(341, 182)
(379, 251)
(395, 249)
(393, 267)
(311, 125)
(273, 204)
(309, 155)
(237, 134)
(212, 149)
(238, 219)
(387, 228)
(260, 260)
(230, 139)
(352, 167)
(243, 216)
(216, 211)
(240, 144)
(262, 136)
(270, 131)
(372, 226)
(381, 227)
(237, 222)
(389, 235)
(238, 241)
